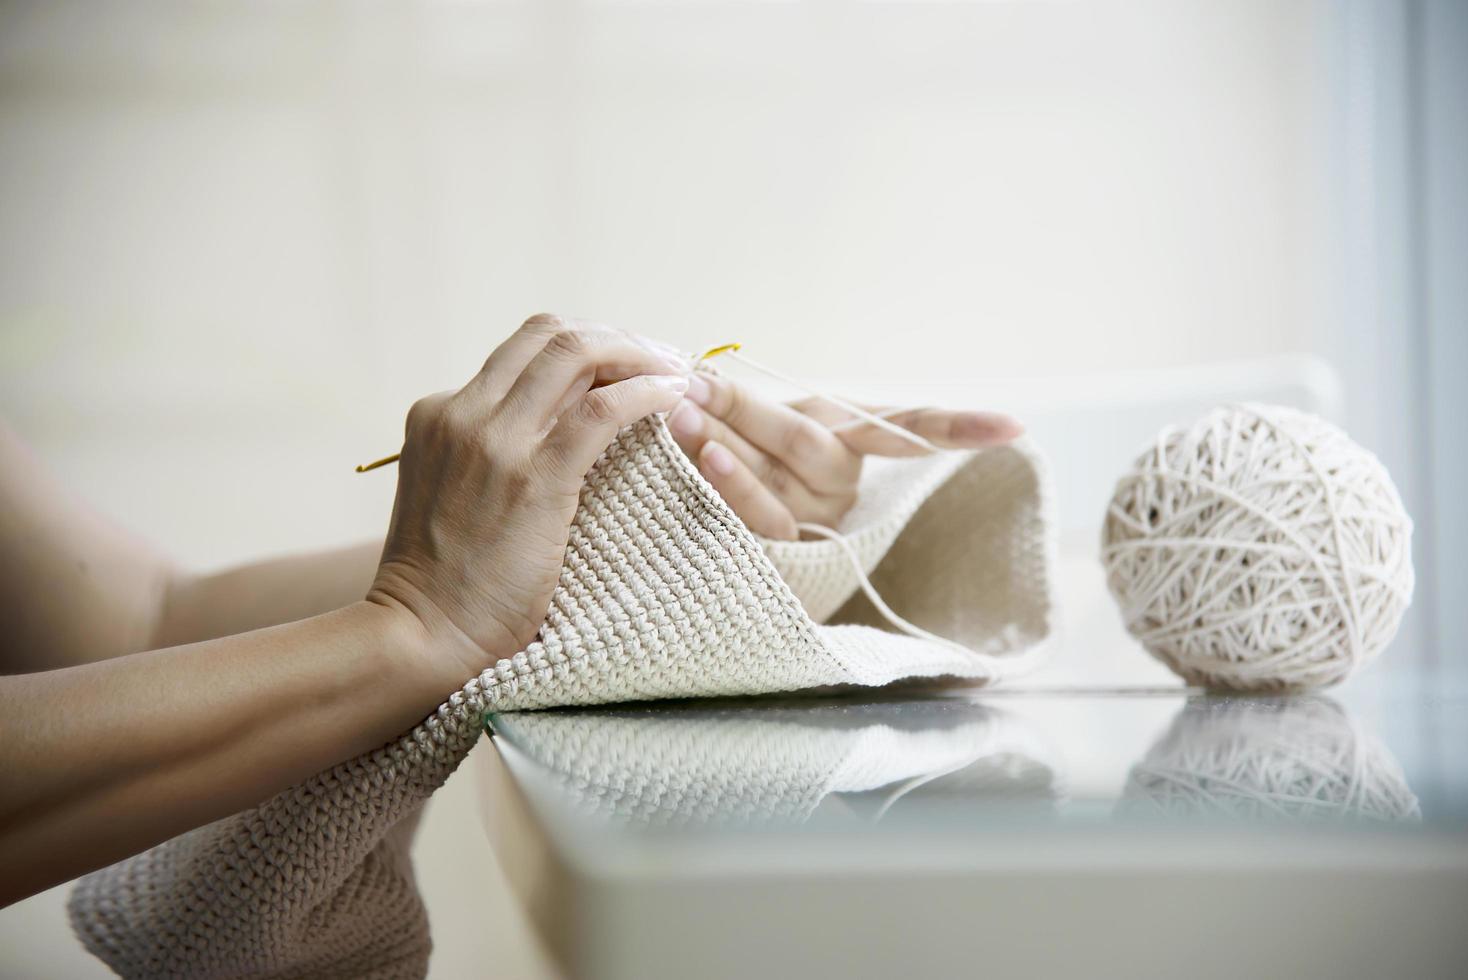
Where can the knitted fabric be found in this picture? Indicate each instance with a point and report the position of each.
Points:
(663, 593)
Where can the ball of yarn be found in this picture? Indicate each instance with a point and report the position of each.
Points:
(1270, 759)
(1259, 549)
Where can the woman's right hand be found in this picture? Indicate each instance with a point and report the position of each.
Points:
(91, 765)
(489, 481)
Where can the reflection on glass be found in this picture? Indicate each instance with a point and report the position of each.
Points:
(749, 764)
(1268, 758)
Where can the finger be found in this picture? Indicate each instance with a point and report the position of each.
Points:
(572, 362)
(693, 428)
(755, 504)
(798, 442)
(510, 358)
(507, 361)
(582, 433)
(828, 413)
(943, 428)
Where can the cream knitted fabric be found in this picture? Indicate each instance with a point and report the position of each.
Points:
(664, 593)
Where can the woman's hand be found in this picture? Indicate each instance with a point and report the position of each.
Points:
(489, 481)
(92, 767)
(779, 465)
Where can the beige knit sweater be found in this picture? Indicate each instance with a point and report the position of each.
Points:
(664, 593)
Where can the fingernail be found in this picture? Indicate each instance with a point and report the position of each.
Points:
(699, 389)
(1008, 426)
(719, 459)
(686, 420)
(670, 382)
(988, 428)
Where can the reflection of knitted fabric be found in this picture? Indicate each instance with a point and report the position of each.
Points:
(664, 593)
(745, 764)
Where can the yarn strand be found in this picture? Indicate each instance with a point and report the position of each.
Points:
(1007, 666)
(871, 418)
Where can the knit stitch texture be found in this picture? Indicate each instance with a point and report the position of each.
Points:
(664, 593)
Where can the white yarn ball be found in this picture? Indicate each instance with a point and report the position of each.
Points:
(1259, 549)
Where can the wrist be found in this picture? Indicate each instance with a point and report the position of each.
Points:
(426, 642)
(401, 634)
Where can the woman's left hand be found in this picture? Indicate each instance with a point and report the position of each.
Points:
(781, 465)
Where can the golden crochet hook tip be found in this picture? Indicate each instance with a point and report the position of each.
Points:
(711, 352)
(364, 467)
(716, 351)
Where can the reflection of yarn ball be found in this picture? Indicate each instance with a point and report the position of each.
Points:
(1271, 758)
(1259, 549)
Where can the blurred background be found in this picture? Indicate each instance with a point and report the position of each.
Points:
(237, 240)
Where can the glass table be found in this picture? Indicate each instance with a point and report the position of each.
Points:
(1097, 820)
(1028, 833)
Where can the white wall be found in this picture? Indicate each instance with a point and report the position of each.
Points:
(238, 240)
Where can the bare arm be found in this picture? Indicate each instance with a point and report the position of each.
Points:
(121, 750)
(73, 587)
(106, 749)
(265, 593)
(76, 589)
(103, 760)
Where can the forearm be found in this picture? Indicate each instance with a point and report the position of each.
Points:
(279, 590)
(101, 761)
(76, 589)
